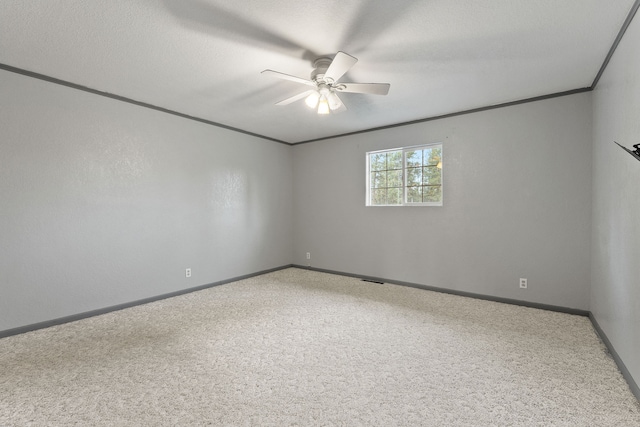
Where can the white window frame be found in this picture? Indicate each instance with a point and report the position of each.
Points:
(404, 150)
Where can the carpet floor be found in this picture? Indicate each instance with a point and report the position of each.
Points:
(303, 348)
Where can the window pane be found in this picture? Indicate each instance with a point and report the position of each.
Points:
(414, 158)
(378, 161)
(394, 178)
(394, 160)
(394, 196)
(378, 179)
(433, 194)
(405, 176)
(414, 176)
(431, 175)
(414, 194)
(379, 196)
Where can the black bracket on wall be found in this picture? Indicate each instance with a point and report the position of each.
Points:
(635, 154)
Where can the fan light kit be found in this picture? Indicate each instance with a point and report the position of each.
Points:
(324, 80)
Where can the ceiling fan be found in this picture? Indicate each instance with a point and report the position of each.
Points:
(324, 80)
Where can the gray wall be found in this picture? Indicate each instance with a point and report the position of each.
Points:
(103, 202)
(517, 203)
(615, 290)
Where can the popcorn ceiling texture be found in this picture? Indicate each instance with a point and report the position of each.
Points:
(296, 347)
(203, 58)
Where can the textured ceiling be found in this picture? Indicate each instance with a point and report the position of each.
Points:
(203, 58)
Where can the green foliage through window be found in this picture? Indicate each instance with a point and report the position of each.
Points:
(405, 176)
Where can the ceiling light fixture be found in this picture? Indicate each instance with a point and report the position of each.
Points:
(334, 101)
(312, 100)
(323, 105)
(324, 100)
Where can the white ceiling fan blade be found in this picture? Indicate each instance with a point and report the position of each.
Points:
(288, 77)
(372, 88)
(339, 66)
(294, 98)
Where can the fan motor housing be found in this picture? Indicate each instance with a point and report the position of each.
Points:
(320, 68)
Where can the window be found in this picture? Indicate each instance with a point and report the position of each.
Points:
(409, 176)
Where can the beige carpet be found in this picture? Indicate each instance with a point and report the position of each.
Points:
(301, 348)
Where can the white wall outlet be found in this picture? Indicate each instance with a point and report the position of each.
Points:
(187, 272)
(523, 283)
(308, 255)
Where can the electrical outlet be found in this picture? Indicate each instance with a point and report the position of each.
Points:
(187, 272)
(523, 283)
(308, 255)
